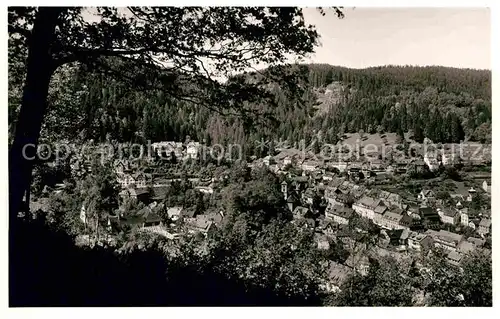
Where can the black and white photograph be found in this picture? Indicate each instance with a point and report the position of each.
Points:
(233, 156)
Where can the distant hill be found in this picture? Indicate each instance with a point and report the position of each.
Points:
(444, 104)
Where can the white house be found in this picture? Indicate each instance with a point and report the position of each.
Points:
(174, 212)
(431, 161)
(449, 216)
(464, 217)
(192, 149)
(472, 192)
(391, 220)
(484, 226)
(366, 207)
(426, 194)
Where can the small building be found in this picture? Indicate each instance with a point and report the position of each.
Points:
(205, 189)
(419, 241)
(366, 207)
(328, 228)
(454, 258)
(192, 150)
(187, 213)
(407, 221)
(449, 159)
(174, 213)
(200, 224)
(465, 247)
(308, 196)
(398, 237)
(328, 177)
(430, 216)
(464, 217)
(83, 215)
(268, 160)
(431, 161)
(449, 216)
(445, 239)
(339, 213)
(337, 275)
(216, 217)
(484, 226)
(287, 160)
(426, 194)
(391, 220)
(140, 194)
(360, 263)
(302, 212)
(322, 241)
(284, 189)
(377, 165)
(477, 242)
(307, 223)
(292, 201)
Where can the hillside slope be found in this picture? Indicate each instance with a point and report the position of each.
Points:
(445, 104)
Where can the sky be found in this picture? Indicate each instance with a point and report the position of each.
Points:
(455, 37)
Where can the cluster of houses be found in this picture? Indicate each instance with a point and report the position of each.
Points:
(319, 199)
(401, 224)
(181, 151)
(391, 162)
(358, 168)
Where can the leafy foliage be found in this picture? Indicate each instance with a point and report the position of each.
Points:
(469, 286)
(385, 285)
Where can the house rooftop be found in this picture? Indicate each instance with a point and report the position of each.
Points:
(174, 211)
(367, 201)
(454, 256)
(341, 211)
(138, 191)
(427, 211)
(292, 198)
(449, 212)
(485, 222)
(380, 209)
(449, 236)
(398, 234)
(478, 242)
(301, 211)
(465, 247)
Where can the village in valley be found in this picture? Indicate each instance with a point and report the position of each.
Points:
(249, 156)
(413, 202)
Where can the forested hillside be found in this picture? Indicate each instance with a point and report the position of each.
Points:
(443, 104)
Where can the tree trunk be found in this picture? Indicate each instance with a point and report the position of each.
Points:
(39, 71)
